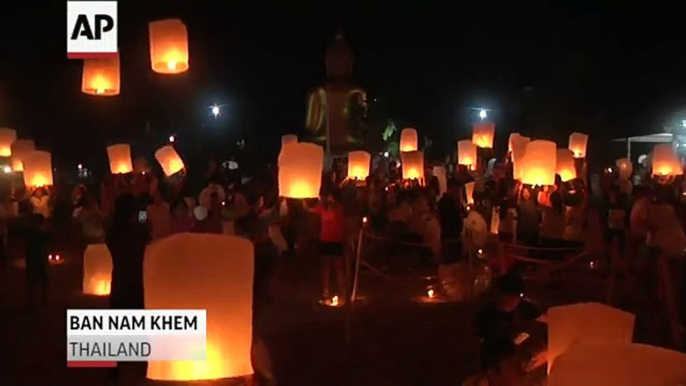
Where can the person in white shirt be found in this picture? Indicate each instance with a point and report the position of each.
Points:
(40, 201)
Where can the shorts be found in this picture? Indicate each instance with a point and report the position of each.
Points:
(328, 248)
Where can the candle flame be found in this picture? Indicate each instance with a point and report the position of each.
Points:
(100, 91)
(334, 301)
(431, 293)
(171, 65)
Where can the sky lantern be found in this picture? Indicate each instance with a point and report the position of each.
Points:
(169, 159)
(565, 165)
(7, 137)
(515, 138)
(288, 139)
(409, 141)
(168, 46)
(466, 154)
(300, 170)
(413, 165)
(441, 175)
(204, 272)
(358, 165)
(469, 192)
(586, 323)
(517, 152)
(625, 168)
(120, 158)
(20, 148)
(577, 144)
(37, 169)
(101, 76)
(618, 364)
(97, 270)
(539, 163)
(483, 133)
(665, 161)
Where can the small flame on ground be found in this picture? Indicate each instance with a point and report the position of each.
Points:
(334, 301)
(431, 293)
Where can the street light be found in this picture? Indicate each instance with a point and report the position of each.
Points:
(216, 109)
(483, 114)
(171, 139)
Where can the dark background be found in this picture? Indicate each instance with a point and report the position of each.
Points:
(545, 70)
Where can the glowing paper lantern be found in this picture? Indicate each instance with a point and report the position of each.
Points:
(514, 139)
(577, 144)
(7, 137)
(21, 148)
(300, 170)
(97, 270)
(618, 364)
(358, 165)
(665, 161)
(288, 139)
(37, 169)
(439, 172)
(469, 192)
(466, 153)
(413, 165)
(517, 154)
(483, 134)
(101, 76)
(586, 323)
(409, 141)
(120, 158)
(565, 165)
(625, 167)
(539, 163)
(204, 271)
(168, 46)
(169, 159)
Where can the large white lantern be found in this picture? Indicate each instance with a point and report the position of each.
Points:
(97, 270)
(120, 158)
(7, 137)
(168, 46)
(665, 161)
(204, 272)
(625, 168)
(37, 169)
(300, 170)
(358, 165)
(409, 141)
(517, 152)
(21, 148)
(413, 165)
(539, 163)
(466, 154)
(288, 139)
(483, 133)
(101, 77)
(169, 160)
(514, 139)
(565, 165)
(577, 144)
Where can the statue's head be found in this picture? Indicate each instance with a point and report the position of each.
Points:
(339, 58)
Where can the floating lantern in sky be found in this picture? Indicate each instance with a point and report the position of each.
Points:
(300, 170)
(466, 153)
(97, 270)
(625, 168)
(413, 165)
(37, 169)
(409, 141)
(539, 163)
(168, 46)
(358, 165)
(577, 144)
(483, 134)
(204, 272)
(565, 165)
(169, 159)
(665, 161)
(441, 176)
(288, 139)
(20, 148)
(120, 158)
(7, 137)
(101, 76)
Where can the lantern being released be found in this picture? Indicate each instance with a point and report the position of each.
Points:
(409, 141)
(97, 270)
(37, 169)
(517, 152)
(565, 165)
(539, 163)
(413, 165)
(168, 46)
(300, 170)
(288, 139)
(665, 161)
(211, 272)
(515, 140)
(469, 192)
(577, 144)
(21, 148)
(483, 133)
(7, 137)
(120, 158)
(466, 154)
(101, 76)
(625, 168)
(169, 159)
(358, 165)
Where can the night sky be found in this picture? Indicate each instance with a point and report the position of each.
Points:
(545, 71)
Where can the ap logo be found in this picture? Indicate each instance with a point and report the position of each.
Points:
(91, 29)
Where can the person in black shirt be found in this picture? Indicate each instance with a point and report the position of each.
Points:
(451, 214)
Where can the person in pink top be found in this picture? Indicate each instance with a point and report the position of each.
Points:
(332, 242)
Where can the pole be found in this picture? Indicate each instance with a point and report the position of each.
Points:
(357, 259)
(328, 131)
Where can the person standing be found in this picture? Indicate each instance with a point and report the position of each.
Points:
(332, 243)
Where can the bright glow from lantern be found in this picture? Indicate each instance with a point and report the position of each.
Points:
(466, 153)
(358, 165)
(413, 165)
(120, 158)
(483, 114)
(7, 137)
(168, 46)
(288, 139)
(409, 140)
(37, 169)
(431, 293)
(300, 170)
(334, 301)
(483, 133)
(666, 162)
(626, 168)
(101, 76)
(469, 192)
(565, 165)
(97, 270)
(539, 163)
(577, 144)
(204, 271)
(19, 149)
(169, 159)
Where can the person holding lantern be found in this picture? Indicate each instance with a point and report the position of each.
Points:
(332, 239)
